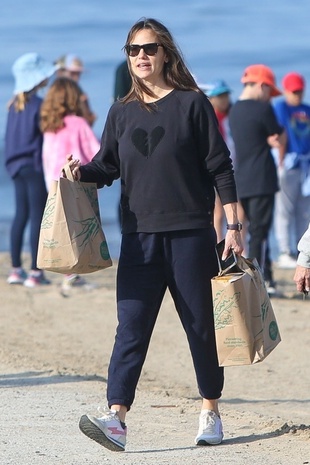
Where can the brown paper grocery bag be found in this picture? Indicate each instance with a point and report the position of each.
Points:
(245, 325)
(71, 236)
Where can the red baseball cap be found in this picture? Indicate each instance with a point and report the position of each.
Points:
(261, 74)
(293, 82)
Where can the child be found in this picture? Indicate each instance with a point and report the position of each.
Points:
(255, 170)
(23, 160)
(65, 132)
(292, 208)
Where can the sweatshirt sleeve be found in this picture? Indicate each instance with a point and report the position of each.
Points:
(304, 249)
(214, 151)
(89, 145)
(104, 168)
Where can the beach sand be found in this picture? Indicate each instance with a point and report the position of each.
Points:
(54, 356)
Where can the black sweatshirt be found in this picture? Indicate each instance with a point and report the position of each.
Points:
(251, 123)
(169, 160)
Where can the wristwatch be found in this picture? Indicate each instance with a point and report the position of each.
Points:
(235, 227)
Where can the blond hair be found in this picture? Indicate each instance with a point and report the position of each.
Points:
(20, 100)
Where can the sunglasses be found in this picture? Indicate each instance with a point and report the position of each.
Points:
(133, 50)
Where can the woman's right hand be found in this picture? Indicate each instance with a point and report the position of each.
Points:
(74, 167)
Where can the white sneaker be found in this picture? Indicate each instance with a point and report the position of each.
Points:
(285, 261)
(210, 429)
(76, 281)
(106, 430)
(271, 288)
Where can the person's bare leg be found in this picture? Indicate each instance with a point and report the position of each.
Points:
(121, 411)
(211, 404)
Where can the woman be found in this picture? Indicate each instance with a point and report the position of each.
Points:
(23, 160)
(65, 131)
(73, 69)
(163, 142)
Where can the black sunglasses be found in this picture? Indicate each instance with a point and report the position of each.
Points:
(133, 50)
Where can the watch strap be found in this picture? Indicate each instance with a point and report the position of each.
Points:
(235, 227)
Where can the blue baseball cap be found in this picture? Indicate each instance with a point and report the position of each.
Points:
(214, 88)
(29, 70)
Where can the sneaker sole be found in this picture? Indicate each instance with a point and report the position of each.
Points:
(33, 285)
(93, 432)
(203, 442)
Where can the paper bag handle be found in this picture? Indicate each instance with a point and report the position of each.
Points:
(68, 172)
(248, 266)
(244, 265)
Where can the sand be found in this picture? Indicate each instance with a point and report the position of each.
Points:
(54, 357)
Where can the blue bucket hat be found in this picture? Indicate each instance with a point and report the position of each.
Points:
(30, 70)
(214, 88)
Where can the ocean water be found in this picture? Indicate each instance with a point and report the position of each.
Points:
(218, 38)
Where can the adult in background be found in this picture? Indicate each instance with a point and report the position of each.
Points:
(292, 211)
(23, 161)
(71, 66)
(163, 141)
(255, 130)
(122, 82)
(122, 85)
(302, 272)
(60, 65)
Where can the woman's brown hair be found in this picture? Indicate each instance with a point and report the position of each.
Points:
(63, 98)
(176, 74)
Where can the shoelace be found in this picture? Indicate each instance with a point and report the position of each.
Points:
(106, 413)
(208, 422)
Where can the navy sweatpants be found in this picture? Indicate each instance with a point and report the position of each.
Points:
(185, 262)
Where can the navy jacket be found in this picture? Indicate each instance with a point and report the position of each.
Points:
(23, 138)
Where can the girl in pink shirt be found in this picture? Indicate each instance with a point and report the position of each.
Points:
(64, 128)
(65, 132)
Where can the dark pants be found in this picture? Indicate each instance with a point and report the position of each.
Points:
(259, 212)
(185, 262)
(30, 199)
